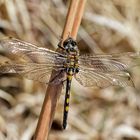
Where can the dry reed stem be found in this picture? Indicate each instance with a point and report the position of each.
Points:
(70, 19)
(78, 17)
(53, 92)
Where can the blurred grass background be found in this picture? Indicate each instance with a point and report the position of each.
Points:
(108, 26)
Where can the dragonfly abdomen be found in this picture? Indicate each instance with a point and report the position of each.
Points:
(66, 103)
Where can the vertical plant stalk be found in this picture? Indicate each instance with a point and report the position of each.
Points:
(70, 19)
(53, 91)
(78, 18)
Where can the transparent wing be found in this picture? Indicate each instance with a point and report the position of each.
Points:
(109, 63)
(90, 78)
(31, 52)
(32, 62)
(34, 71)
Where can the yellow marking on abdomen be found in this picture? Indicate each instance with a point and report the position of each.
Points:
(69, 77)
(67, 108)
(67, 101)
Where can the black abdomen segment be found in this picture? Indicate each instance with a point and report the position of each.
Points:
(66, 103)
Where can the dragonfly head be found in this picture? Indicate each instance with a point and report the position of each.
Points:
(70, 45)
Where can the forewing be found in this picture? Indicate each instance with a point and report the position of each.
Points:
(90, 78)
(33, 62)
(109, 63)
(34, 71)
(30, 52)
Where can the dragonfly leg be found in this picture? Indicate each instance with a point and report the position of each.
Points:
(57, 78)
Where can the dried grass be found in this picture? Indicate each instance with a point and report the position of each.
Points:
(107, 114)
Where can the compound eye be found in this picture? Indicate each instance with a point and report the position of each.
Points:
(65, 43)
(73, 43)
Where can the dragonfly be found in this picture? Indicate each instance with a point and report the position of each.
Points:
(37, 63)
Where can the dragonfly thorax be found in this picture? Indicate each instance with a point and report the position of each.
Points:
(72, 52)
